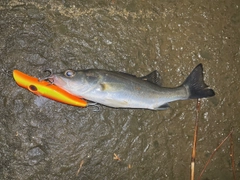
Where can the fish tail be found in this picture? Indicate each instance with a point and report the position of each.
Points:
(196, 86)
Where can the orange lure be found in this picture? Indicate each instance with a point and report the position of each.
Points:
(44, 88)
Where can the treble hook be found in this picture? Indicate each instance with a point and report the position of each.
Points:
(49, 76)
(98, 108)
(6, 72)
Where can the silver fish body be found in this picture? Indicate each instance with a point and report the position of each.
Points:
(121, 90)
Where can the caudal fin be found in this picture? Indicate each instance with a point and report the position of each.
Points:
(196, 85)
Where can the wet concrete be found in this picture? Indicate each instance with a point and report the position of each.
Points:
(43, 139)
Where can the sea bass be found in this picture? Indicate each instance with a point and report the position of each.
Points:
(122, 90)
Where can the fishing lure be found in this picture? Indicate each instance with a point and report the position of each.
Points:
(46, 89)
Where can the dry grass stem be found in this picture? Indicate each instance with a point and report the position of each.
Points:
(116, 157)
(195, 141)
(80, 166)
(214, 151)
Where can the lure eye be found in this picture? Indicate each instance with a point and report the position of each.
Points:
(69, 73)
(32, 88)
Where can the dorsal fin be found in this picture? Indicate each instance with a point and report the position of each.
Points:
(153, 77)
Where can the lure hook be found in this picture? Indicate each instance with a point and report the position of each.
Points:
(47, 77)
(6, 72)
(96, 106)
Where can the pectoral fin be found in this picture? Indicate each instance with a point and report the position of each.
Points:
(111, 87)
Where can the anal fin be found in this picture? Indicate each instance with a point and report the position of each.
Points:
(163, 107)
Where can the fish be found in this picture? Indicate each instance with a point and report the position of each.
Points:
(122, 90)
(46, 89)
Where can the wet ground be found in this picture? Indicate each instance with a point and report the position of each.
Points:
(43, 139)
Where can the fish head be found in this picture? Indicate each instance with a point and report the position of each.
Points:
(70, 80)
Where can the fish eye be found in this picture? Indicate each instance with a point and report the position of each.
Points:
(69, 73)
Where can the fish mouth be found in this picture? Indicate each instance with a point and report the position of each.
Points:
(52, 78)
(57, 81)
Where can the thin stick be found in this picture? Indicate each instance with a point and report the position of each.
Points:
(195, 141)
(214, 151)
(80, 167)
(232, 156)
(116, 157)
